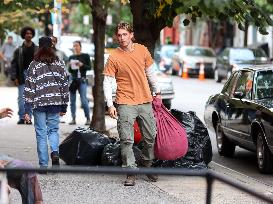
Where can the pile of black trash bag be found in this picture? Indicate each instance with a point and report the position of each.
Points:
(88, 147)
(83, 147)
(199, 153)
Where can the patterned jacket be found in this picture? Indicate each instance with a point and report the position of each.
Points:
(46, 84)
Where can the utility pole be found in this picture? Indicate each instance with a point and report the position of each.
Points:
(57, 19)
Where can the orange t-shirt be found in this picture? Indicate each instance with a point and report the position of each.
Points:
(129, 70)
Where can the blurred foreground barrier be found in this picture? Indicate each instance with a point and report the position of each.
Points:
(209, 175)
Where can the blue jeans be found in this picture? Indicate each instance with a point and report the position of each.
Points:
(46, 128)
(83, 94)
(21, 102)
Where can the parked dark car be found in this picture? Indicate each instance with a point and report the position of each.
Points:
(242, 114)
(234, 58)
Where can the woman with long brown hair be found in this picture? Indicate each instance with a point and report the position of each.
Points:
(46, 92)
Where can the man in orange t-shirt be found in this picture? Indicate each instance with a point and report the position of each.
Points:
(132, 66)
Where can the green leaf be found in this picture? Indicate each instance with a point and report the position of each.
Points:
(241, 27)
(263, 31)
(181, 9)
(190, 3)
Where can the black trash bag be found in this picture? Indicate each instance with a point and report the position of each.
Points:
(111, 155)
(83, 147)
(200, 149)
(179, 163)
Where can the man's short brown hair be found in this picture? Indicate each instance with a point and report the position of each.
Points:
(125, 26)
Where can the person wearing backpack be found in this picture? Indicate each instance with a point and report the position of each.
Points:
(22, 57)
(131, 65)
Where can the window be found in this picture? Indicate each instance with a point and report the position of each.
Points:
(245, 54)
(264, 85)
(199, 52)
(245, 84)
(259, 53)
(230, 84)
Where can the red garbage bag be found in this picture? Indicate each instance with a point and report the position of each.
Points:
(137, 133)
(171, 140)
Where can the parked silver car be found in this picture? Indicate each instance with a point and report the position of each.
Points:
(191, 57)
(235, 58)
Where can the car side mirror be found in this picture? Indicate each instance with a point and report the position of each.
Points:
(239, 94)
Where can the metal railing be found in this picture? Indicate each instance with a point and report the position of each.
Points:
(209, 175)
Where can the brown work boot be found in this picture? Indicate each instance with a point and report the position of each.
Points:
(145, 163)
(152, 177)
(130, 180)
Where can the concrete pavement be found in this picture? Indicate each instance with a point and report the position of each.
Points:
(19, 142)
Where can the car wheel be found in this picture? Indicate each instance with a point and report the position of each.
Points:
(264, 157)
(217, 78)
(174, 72)
(167, 103)
(225, 147)
(175, 68)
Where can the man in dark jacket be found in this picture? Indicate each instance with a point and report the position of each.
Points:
(23, 56)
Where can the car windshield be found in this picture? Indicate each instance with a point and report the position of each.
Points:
(259, 53)
(168, 51)
(199, 52)
(246, 54)
(264, 84)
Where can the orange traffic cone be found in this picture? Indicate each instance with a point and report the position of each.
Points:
(185, 72)
(202, 72)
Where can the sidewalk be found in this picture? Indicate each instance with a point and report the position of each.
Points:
(19, 141)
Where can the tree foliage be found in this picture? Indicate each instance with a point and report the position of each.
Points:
(238, 10)
(17, 13)
(266, 5)
(76, 16)
(12, 17)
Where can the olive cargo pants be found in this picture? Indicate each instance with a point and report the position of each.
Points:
(127, 114)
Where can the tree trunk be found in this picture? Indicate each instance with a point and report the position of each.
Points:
(146, 31)
(99, 14)
(246, 34)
